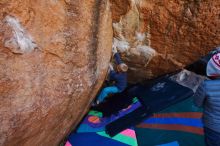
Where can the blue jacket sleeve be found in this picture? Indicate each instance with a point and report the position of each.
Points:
(113, 75)
(117, 58)
(199, 96)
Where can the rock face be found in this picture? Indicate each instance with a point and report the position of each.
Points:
(53, 58)
(157, 37)
(54, 55)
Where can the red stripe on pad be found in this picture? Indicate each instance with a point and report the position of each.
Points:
(179, 115)
(176, 127)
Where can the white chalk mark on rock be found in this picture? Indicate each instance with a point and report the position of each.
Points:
(140, 36)
(121, 45)
(146, 51)
(21, 42)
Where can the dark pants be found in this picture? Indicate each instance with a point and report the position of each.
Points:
(212, 138)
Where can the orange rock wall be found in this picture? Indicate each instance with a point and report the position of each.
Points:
(53, 58)
(179, 31)
(54, 55)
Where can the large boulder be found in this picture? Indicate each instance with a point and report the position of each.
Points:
(54, 55)
(53, 59)
(157, 37)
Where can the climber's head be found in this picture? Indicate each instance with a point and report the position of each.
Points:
(122, 67)
(213, 66)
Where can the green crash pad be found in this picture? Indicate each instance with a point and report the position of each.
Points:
(180, 124)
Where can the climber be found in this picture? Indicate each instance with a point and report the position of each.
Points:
(119, 77)
(208, 97)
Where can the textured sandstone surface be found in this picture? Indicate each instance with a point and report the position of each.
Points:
(156, 37)
(53, 58)
(54, 55)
